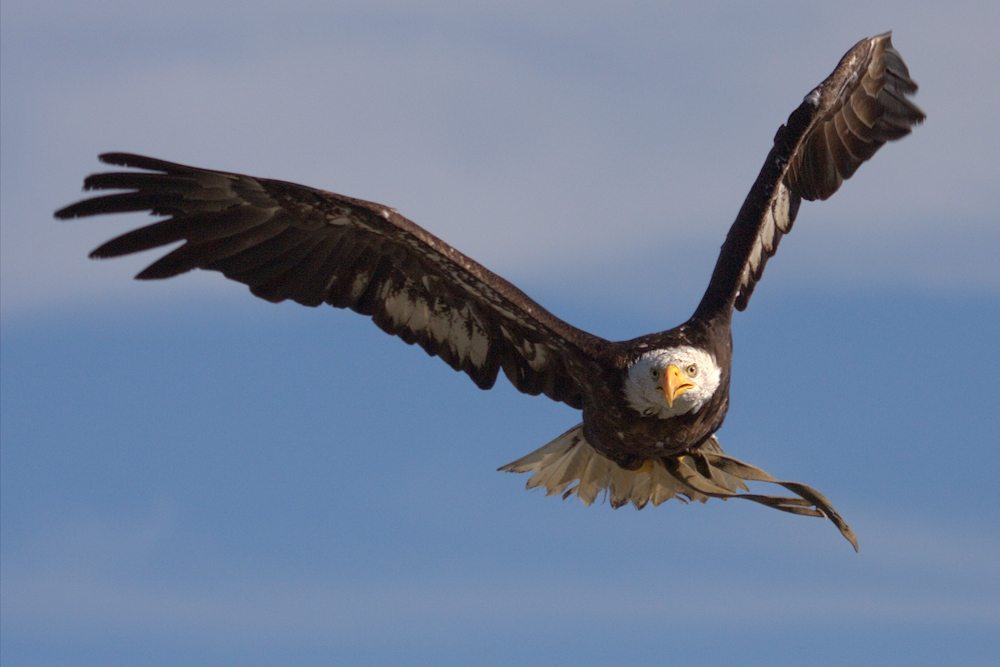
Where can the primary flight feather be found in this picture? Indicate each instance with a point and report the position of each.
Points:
(651, 405)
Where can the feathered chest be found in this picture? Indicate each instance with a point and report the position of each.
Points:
(666, 402)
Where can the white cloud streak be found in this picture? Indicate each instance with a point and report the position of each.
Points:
(909, 575)
(322, 609)
(604, 135)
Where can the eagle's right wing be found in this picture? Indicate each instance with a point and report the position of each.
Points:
(288, 241)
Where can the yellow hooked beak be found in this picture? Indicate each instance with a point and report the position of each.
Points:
(675, 382)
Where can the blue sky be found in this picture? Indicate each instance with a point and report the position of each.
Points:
(192, 475)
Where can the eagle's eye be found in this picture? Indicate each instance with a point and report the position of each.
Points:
(691, 370)
(654, 373)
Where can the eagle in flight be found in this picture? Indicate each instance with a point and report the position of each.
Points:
(651, 405)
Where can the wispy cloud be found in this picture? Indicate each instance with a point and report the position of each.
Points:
(597, 133)
(908, 576)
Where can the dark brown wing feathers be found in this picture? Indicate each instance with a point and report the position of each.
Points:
(862, 105)
(839, 125)
(288, 241)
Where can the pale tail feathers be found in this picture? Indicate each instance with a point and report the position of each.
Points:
(698, 475)
(570, 458)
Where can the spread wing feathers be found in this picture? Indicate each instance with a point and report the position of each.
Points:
(289, 241)
(703, 473)
(840, 124)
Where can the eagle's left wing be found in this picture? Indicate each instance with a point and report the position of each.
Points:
(840, 124)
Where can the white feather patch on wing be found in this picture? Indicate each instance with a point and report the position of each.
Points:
(781, 208)
(399, 305)
(461, 329)
(570, 458)
(360, 284)
(439, 325)
(777, 221)
(419, 316)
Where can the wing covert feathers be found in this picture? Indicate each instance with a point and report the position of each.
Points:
(288, 241)
(569, 465)
(862, 105)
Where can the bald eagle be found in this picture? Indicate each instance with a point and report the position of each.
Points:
(651, 405)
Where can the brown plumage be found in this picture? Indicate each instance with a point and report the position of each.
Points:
(288, 241)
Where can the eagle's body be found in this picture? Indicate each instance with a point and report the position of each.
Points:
(627, 436)
(651, 406)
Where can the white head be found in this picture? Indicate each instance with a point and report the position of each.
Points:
(671, 382)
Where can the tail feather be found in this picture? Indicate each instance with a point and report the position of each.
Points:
(592, 480)
(570, 458)
(620, 487)
(703, 473)
(665, 486)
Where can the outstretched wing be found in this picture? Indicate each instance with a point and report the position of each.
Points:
(839, 125)
(288, 241)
